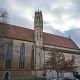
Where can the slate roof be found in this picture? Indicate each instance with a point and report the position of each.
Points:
(16, 32)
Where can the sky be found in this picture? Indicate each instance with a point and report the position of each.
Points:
(60, 17)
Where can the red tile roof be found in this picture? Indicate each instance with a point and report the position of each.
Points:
(17, 32)
(59, 41)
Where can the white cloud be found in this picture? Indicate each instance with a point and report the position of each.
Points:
(57, 13)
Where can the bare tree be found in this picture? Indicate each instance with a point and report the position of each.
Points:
(57, 62)
(69, 65)
(3, 16)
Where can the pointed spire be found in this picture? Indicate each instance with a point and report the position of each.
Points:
(38, 18)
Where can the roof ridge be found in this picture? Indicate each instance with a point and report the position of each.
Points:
(17, 26)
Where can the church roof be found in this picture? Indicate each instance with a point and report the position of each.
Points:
(16, 32)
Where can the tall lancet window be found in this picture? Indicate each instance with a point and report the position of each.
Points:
(22, 54)
(9, 55)
(32, 58)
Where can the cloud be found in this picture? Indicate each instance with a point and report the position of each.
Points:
(49, 29)
(75, 9)
(17, 20)
(54, 12)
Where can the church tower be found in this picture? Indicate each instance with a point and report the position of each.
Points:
(38, 26)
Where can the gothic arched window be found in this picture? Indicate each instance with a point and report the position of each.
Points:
(32, 58)
(22, 54)
(6, 76)
(9, 55)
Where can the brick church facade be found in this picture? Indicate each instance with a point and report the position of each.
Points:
(21, 50)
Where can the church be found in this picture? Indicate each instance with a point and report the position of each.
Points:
(23, 50)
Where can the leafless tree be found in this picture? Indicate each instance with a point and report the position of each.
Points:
(69, 65)
(57, 62)
(3, 16)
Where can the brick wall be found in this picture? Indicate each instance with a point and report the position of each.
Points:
(15, 71)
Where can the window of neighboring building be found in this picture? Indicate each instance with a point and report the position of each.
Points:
(9, 55)
(22, 54)
(32, 58)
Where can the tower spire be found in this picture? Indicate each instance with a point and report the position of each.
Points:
(38, 20)
(38, 26)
